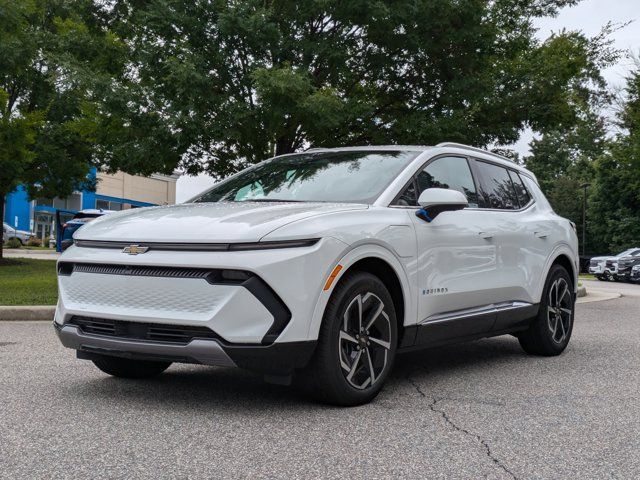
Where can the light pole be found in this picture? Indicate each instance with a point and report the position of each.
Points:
(584, 218)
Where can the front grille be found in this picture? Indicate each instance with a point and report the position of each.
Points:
(155, 332)
(594, 263)
(216, 276)
(142, 271)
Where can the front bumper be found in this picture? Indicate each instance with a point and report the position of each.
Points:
(275, 359)
(624, 273)
(274, 302)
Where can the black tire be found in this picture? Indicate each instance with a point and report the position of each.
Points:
(601, 278)
(127, 368)
(551, 329)
(328, 377)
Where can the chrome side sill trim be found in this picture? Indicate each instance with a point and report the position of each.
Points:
(475, 312)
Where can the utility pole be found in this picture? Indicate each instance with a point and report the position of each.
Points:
(584, 218)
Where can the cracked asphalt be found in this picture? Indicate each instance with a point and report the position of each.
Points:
(476, 410)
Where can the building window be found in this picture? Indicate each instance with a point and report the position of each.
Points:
(107, 205)
(72, 202)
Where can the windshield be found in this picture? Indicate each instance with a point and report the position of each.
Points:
(347, 176)
(632, 252)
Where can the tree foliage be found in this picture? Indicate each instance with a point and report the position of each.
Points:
(615, 203)
(216, 84)
(52, 53)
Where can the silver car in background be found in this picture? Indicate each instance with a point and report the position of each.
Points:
(10, 232)
(606, 268)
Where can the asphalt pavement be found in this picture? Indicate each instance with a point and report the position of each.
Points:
(476, 410)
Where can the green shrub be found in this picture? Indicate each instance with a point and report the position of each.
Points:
(34, 242)
(13, 242)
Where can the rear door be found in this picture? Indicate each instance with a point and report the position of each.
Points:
(520, 232)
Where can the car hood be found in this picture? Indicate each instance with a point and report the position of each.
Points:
(204, 222)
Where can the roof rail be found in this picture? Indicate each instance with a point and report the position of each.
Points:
(473, 149)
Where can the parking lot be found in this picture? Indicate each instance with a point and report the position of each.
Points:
(477, 410)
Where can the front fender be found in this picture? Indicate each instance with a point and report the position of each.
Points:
(402, 266)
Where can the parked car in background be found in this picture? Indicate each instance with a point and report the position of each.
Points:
(10, 232)
(66, 230)
(606, 268)
(625, 267)
(635, 274)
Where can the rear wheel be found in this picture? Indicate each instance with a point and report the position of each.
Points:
(550, 331)
(127, 368)
(356, 344)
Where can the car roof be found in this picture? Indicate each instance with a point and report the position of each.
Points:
(444, 147)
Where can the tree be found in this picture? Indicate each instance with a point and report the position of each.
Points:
(615, 202)
(50, 59)
(213, 85)
(564, 159)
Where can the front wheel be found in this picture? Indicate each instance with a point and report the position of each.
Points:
(127, 368)
(356, 345)
(551, 329)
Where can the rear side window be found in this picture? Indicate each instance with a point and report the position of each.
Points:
(449, 172)
(496, 187)
(523, 195)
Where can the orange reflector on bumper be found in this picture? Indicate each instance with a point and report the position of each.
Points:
(332, 277)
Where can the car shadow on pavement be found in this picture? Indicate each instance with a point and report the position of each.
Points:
(195, 387)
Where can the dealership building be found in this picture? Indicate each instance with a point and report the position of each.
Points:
(119, 191)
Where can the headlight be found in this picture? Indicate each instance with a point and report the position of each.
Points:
(636, 268)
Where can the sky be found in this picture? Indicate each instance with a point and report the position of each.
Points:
(589, 16)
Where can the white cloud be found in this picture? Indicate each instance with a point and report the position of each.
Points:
(188, 187)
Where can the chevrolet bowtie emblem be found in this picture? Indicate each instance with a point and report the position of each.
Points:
(134, 249)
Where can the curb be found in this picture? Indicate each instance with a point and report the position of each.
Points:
(11, 313)
(582, 291)
(599, 296)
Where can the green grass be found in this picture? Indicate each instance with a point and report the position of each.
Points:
(587, 276)
(26, 281)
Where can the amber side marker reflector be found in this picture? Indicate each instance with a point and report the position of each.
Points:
(332, 277)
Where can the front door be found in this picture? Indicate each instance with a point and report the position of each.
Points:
(457, 259)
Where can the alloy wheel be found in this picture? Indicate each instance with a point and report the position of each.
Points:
(364, 340)
(559, 310)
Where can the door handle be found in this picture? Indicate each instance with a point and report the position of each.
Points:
(486, 235)
(541, 234)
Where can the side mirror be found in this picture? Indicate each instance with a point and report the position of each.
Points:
(434, 201)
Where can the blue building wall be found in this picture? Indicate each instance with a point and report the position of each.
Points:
(17, 205)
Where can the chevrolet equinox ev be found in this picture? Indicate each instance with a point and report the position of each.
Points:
(319, 267)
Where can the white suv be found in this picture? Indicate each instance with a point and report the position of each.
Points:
(321, 266)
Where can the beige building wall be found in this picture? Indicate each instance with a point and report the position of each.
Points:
(157, 189)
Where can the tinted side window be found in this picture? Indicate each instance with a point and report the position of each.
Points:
(496, 187)
(449, 172)
(408, 197)
(521, 191)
